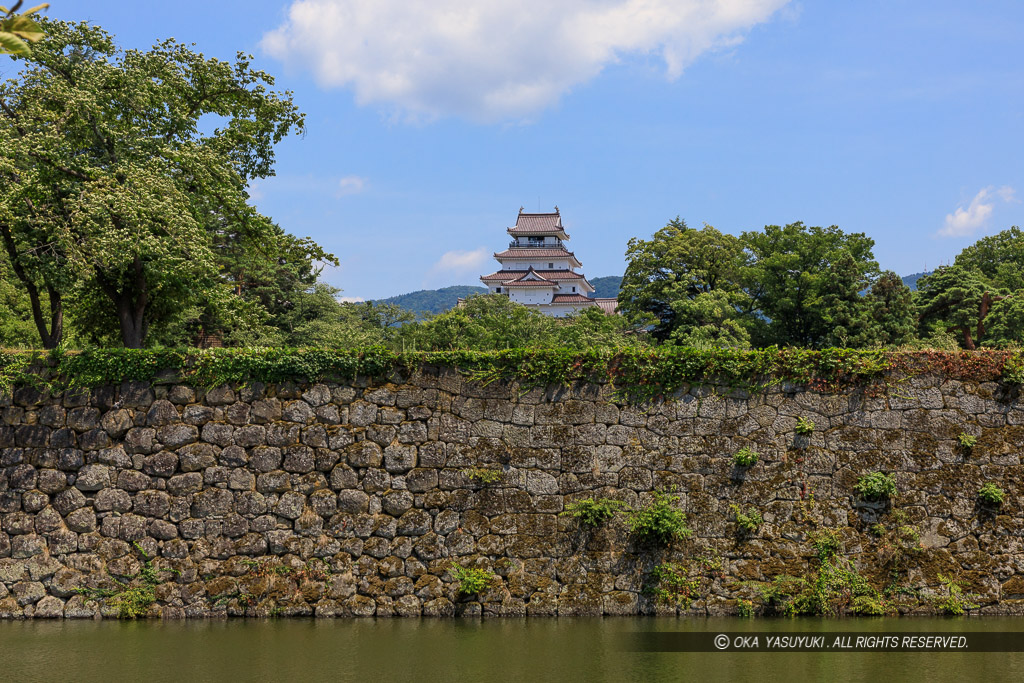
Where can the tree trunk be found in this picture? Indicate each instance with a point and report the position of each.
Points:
(968, 341)
(52, 335)
(130, 303)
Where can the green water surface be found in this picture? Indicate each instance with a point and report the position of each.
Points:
(582, 650)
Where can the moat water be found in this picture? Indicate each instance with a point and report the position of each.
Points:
(583, 650)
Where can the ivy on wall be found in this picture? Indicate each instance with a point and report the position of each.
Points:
(635, 373)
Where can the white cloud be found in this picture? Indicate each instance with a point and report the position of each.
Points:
(351, 299)
(966, 221)
(350, 184)
(255, 190)
(459, 262)
(496, 59)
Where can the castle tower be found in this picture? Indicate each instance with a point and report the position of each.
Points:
(538, 270)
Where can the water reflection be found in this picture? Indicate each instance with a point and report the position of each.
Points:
(462, 650)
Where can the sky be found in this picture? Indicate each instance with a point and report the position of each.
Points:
(431, 122)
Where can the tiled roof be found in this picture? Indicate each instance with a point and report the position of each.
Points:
(572, 299)
(530, 283)
(535, 253)
(608, 305)
(530, 278)
(505, 275)
(535, 223)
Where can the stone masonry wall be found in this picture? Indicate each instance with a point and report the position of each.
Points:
(354, 499)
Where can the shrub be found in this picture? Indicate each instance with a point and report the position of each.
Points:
(804, 427)
(867, 606)
(957, 601)
(471, 580)
(482, 475)
(745, 608)
(745, 457)
(673, 585)
(746, 522)
(660, 521)
(876, 486)
(967, 441)
(593, 512)
(825, 543)
(991, 494)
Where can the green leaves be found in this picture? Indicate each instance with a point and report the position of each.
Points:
(787, 286)
(114, 199)
(17, 30)
(689, 281)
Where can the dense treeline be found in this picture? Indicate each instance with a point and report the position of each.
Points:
(817, 287)
(125, 222)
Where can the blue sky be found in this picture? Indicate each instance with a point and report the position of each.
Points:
(431, 123)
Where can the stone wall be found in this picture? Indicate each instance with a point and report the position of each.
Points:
(355, 499)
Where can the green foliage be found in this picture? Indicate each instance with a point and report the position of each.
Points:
(875, 486)
(482, 475)
(18, 30)
(745, 609)
(967, 441)
(991, 494)
(956, 602)
(745, 457)
(659, 522)
(806, 284)
(747, 522)
(804, 426)
(117, 206)
(672, 585)
(833, 588)
(636, 374)
(868, 606)
(134, 602)
(951, 298)
(826, 543)
(133, 598)
(689, 282)
(471, 580)
(898, 543)
(492, 322)
(593, 512)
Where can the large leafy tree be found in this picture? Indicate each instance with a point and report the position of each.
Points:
(980, 298)
(892, 317)
(689, 284)
(957, 299)
(113, 188)
(806, 281)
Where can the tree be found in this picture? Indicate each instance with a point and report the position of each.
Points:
(486, 322)
(592, 328)
(689, 282)
(16, 329)
(891, 312)
(805, 280)
(957, 299)
(999, 258)
(110, 191)
(18, 30)
(979, 297)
